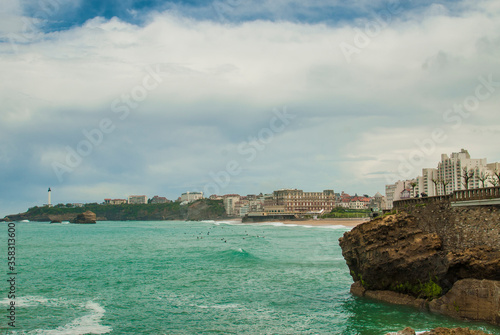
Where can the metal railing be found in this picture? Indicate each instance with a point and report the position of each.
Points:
(457, 196)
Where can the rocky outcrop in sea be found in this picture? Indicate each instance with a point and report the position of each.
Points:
(86, 217)
(434, 257)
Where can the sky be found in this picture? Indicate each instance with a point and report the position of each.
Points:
(105, 99)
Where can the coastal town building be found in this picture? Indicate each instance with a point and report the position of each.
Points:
(158, 200)
(378, 202)
(359, 202)
(300, 202)
(137, 199)
(230, 201)
(446, 178)
(191, 196)
(402, 189)
(427, 183)
(115, 201)
(451, 169)
(241, 207)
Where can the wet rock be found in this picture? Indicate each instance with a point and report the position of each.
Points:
(86, 217)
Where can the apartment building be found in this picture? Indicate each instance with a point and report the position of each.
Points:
(446, 178)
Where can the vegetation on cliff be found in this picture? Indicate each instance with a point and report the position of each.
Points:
(203, 209)
(340, 212)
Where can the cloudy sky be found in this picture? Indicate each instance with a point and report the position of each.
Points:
(104, 99)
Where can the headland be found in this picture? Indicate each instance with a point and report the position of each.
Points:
(432, 255)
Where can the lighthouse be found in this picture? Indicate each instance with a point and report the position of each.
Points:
(49, 203)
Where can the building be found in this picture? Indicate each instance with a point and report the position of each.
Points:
(115, 201)
(230, 201)
(402, 189)
(137, 199)
(159, 200)
(428, 182)
(293, 201)
(359, 202)
(378, 202)
(241, 207)
(446, 178)
(191, 196)
(451, 171)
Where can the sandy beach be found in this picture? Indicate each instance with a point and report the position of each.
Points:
(328, 222)
(320, 222)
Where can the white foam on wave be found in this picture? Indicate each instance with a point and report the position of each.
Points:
(222, 306)
(226, 222)
(33, 301)
(87, 324)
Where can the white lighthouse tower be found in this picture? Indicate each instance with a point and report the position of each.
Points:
(49, 203)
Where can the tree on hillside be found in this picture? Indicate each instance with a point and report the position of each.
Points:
(413, 185)
(467, 175)
(483, 177)
(444, 183)
(496, 178)
(436, 181)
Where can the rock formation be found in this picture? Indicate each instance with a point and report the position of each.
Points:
(86, 217)
(434, 257)
(441, 331)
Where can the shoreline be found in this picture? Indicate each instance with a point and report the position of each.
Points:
(328, 222)
(321, 222)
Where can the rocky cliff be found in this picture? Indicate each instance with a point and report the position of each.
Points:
(431, 256)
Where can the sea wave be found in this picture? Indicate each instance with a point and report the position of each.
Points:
(86, 324)
(281, 224)
(237, 254)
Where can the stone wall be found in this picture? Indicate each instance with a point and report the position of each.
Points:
(458, 227)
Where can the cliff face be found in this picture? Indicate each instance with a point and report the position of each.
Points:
(425, 253)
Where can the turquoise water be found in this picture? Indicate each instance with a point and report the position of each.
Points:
(192, 278)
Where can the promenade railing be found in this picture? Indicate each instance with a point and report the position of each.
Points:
(457, 196)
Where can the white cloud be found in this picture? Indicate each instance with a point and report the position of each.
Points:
(219, 85)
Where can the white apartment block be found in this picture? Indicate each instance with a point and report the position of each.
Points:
(451, 170)
(427, 184)
(446, 178)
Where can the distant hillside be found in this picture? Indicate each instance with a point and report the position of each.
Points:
(204, 209)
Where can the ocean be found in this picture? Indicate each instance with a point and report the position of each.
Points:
(172, 277)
